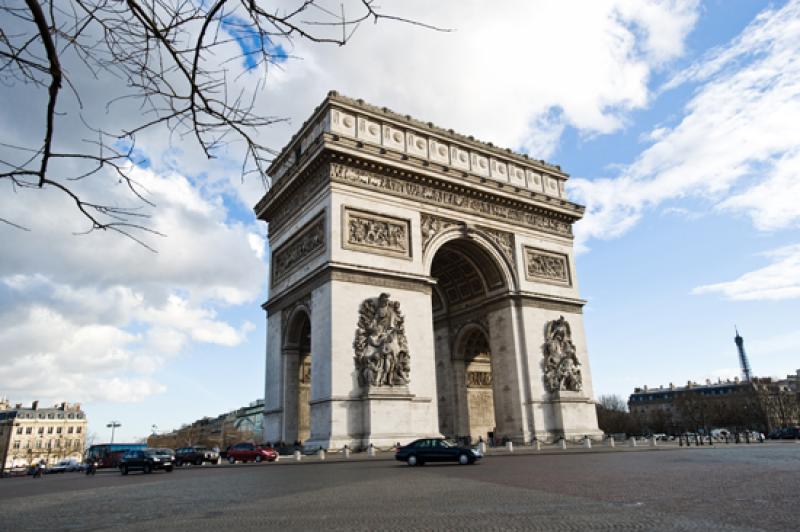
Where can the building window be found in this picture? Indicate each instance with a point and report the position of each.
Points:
(16, 444)
(19, 430)
(38, 444)
(41, 430)
(58, 430)
(71, 416)
(49, 430)
(49, 416)
(77, 430)
(69, 430)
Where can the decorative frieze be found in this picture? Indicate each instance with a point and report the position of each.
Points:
(376, 233)
(380, 345)
(449, 197)
(547, 266)
(431, 225)
(479, 379)
(308, 243)
(562, 369)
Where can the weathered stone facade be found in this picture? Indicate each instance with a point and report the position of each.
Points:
(371, 212)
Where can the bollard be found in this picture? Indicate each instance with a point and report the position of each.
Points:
(611, 442)
(277, 457)
(538, 445)
(587, 443)
(632, 442)
(298, 456)
(563, 443)
(346, 451)
(653, 442)
(321, 453)
(482, 447)
(371, 451)
(509, 447)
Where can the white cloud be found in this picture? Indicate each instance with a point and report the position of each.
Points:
(514, 73)
(779, 280)
(97, 316)
(735, 146)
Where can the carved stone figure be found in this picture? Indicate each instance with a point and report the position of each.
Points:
(381, 348)
(562, 369)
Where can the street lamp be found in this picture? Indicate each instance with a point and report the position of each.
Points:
(113, 425)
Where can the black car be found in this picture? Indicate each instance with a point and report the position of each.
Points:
(147, 460)
(435, 450)
(195, 455)
(790, 433)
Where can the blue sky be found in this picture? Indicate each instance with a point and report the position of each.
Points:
(676, 120)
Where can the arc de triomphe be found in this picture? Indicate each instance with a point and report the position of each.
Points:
(422, 283)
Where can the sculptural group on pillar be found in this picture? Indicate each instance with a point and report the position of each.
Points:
(561, 365)
(381, 348)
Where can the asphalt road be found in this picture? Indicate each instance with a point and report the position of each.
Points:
(724, 488)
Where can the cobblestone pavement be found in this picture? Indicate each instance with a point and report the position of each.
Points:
(722, 488)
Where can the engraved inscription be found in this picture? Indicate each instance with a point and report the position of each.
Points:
(376, 233)
(309, 242)
(547, 266)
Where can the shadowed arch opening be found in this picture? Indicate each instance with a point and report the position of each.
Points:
(467, 277)
(297, 354)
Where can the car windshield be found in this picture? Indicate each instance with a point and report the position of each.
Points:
(445, 443)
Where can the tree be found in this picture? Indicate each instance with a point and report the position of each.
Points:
(613, 416)
(174, 57)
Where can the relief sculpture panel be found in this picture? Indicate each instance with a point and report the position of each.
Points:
(308, 243)
(546, 266)
(376, 233)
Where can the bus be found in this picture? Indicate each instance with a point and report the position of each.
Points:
(109, 454)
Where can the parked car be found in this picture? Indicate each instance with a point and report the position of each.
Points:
(196, 455)
(790, 433)
(147, 460)
(250, 452)
(425, 450)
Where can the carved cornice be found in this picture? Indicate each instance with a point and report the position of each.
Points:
(351, 274)
(455, 197)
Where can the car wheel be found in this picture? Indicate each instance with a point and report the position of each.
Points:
(463, 459)
(231, 460)
(147, 469)
(198, 461)
(168, 469)
(259, 458)
(124, 470)
(412, 460)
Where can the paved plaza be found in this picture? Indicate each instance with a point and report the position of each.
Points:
(751, 487)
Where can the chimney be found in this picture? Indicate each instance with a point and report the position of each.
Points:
(736, 380)
(35, 405)
(671, 386)
(18, 406)
(645, 387)
(708, 382)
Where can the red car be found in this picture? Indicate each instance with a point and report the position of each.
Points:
(248, 452)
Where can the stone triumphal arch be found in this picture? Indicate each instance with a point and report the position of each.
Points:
(422, 283)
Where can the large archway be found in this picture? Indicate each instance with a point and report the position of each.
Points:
(297, 356)
(468, 280)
